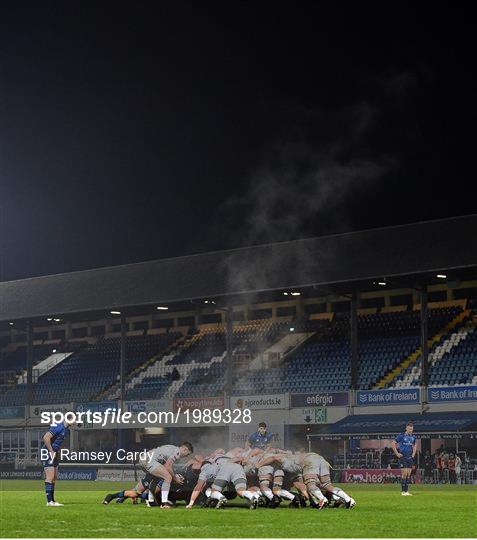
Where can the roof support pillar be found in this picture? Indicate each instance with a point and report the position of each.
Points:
(122, 363)
(29, 364)
(424, 342)
(354, 340)
(229, 352)
(196, 317)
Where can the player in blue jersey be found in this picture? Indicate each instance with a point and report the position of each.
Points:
(260, 439)
(140, 491)
(52, 441)
(404, 446)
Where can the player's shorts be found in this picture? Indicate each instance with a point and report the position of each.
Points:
(252, 479)
(315, 464)
(51, 463)
(230, 472)
(265, 471)
(289, 479)
(406, 462)
(291, 466)
(147, 480)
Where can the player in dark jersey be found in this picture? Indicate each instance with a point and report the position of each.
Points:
(140, 491)
(404, 446)
(178, 492)
(52, 441)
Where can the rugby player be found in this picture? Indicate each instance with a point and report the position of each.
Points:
(406, 442)
(316, 474)
(250, 458)
(141, 490)
(189, 472)
(266, 477)
(291, 465)
(282, 483)
(226, 472)
(207, 474)
(161, 468)
(260, 439)
(52, 441)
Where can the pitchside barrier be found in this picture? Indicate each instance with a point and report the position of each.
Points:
(111, 472)
(391, 476)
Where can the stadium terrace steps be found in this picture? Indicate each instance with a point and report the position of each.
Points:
(15, 359)
(282, 348)
(393, 375)
(458, 366)
(45, 365)
(323, 363)
(450, 342)
(197, 355)
(93, 368)
(154, 381)
(249, 340)
(141, 372)
(156, 366)
(208, 377)
(176, 386)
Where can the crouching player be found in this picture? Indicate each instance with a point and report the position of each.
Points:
(207, 474)
(226, 473)
(160, 467)
(271, 482)
(316, 475)
(52, 441)
(291, 466)
(283, 482)
(141, 491)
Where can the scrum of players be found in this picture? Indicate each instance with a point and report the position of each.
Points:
(262, 477)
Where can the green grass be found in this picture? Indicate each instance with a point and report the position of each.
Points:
(434, 511)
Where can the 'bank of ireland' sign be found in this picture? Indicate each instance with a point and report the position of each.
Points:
(452, 393)
(402, 396)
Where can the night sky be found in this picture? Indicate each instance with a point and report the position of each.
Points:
(140, 131)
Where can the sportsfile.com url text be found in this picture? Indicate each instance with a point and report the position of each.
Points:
(118, 416)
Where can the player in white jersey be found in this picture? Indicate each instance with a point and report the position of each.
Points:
(283, 481)
(290, 465)
(220, 455)
(207, 475)
(316, 474)
(227, 472)
(249, 462)
(266, 476)
(160, 467)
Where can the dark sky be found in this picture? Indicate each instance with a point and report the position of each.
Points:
(146, 130)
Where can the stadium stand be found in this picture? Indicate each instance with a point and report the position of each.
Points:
(386, 339)
(442, 323)
(171, 365)
(16, 360)
(92, 369)
(196, 367)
